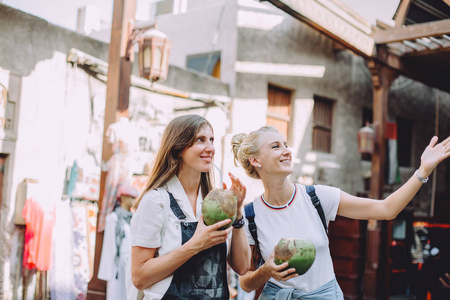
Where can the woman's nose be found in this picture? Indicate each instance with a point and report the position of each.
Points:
(287, 151)
(210, 147)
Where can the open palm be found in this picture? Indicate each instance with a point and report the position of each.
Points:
(434, 153)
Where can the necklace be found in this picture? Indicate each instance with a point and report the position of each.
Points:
(283, 206)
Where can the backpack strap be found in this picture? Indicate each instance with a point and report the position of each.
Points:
(250, 216)
(316, 202)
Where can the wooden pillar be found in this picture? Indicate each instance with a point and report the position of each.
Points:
(117, 99)
(376, 271)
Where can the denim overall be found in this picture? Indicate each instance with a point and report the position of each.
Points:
(203, 276)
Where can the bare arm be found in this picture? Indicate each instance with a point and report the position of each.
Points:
(370, 209)
(146, 269)
(257, 277)
(239, 257)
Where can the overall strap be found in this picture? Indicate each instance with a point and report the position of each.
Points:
(176, 208)
(316, 202)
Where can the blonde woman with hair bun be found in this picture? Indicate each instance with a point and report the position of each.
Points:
(285, 210)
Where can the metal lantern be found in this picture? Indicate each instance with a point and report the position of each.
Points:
(154, 49)
(366, 140)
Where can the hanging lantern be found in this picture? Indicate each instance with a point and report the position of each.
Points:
(154, 49)
(366, 140)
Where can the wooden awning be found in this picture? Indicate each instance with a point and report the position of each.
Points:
(418, 46)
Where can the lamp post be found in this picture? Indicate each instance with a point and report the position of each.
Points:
(120, 59)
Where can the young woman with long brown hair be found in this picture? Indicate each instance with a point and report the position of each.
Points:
(174, 254)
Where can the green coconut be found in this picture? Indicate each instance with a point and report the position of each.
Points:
(299, 253)
(219, 205)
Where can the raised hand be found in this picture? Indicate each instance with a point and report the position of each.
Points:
(433, 154)
(239, 189)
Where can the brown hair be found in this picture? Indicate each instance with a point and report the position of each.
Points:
(245, 146)
(179, 134)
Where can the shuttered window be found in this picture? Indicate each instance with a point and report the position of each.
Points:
(279, 109)
(322, 120)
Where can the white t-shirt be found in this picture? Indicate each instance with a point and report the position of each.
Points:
(299, 219)
(149, 230)
(115, 289)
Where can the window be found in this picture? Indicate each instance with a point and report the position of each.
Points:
(322, 120)
(404, 142)
(279, 109)
(208, 63)
(171, 7)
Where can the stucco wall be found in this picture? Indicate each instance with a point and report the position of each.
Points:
(56, 113)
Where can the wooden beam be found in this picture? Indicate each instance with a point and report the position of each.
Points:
(409, 66)
(117, 95)
(412, 32)
(376, 274)
(333, 21)
(401, 13)
(430, 52)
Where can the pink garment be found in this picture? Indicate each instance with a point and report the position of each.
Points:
(38, 235)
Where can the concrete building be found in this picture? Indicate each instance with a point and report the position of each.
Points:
(257, 47)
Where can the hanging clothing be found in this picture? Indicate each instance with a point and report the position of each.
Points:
(81, 248)
(62, 276)
(39, 221)
(124, 143)
(116, 251)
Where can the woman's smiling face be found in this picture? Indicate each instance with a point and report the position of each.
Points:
(274, 154)
(199, 156)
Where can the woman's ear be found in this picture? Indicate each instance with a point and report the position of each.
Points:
(254, 162)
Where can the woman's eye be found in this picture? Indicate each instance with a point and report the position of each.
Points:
(200, 139)
(275, 146)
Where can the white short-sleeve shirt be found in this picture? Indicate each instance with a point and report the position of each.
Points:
(149, 230)
(299, 219)
(154, 225)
